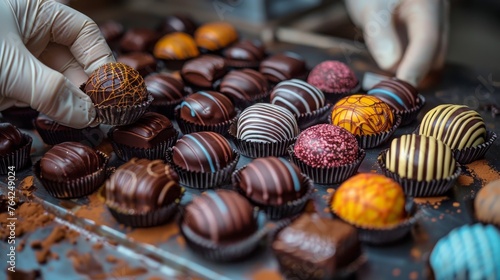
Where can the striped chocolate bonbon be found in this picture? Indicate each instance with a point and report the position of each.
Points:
(297, 96)
(398, 94)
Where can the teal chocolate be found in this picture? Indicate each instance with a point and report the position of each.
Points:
(398, 94)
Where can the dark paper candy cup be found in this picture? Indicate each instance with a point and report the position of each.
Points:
(149, 219)
(374, 140)
(166, 109)
(408, 116)
(189, 127)
(126, 153)
(327, 175)
(318, 116)
(203, 180)
(122, 115)
(78, 187)
(468, 155)
(18, 159)
(416, 188)
(84, 135)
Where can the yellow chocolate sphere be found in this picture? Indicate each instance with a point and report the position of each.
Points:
(362, 115)
(369, 200)
(176, 45)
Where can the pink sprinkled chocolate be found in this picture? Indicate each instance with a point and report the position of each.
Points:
(326, 145)
(333, 77)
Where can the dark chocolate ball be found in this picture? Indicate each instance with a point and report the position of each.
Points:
(204, 71)
(283, 66)
(147, 132)
(246, 84)
(215, 35)
(143, 62)
(116, 84)
(177, 23)
(398, 94)
(221, 216)
(207, 107)
(297, 96)
(10, 138)
(272, 181)
(165, 88)
(142, 185)
(139, 40)
(244, 52)
(111, 30)
(204, 151)
(68, 161)
(326, 145)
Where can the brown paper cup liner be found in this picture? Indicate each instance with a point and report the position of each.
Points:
(126, 153)
(226, 252)
(19, 159)
(166, 109)
(327, 175)
(408, 116)
(52, 137)
(277, 212)
(259, 149)
(117, 115)
(416, 188)
(203, 180)
(75, 188)
(190, 127)
(374, 140)
(149, 219)
(318, 116)
(468, 155)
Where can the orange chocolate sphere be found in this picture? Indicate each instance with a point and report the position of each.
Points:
(176, 45)
(362, 115)
(216, 35)
(369, 200)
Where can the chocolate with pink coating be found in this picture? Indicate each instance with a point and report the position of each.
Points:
(333, 77)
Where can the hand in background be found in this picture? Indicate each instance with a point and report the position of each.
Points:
(47, 51)
(408, 37)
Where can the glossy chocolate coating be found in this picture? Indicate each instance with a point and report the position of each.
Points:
(177, 23)
(398, 94)
(165, 88)
(116, 84)
(143, 62)
(142, 185)
(420, 157)
(246, 84)
(264, 122)
(323, 245)
(69, 161)
(10, 138)
(207, 107)
(297, 96)
(176, 46)
(139, 40)
(215, 35)
(457, 126)
(283, 66)
(245, 50)
(272, 181)
(204, 151)
(204, 71)
(111, 30)
(147, 132)
(221, 216)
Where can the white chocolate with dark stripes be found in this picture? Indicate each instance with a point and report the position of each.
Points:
(297, 96)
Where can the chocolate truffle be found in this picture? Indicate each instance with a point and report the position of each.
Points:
(139, 40)
(215, 35)
(272, 181)
(116, 84)
(147, 132)
(68, 161)
(487, 203)
(283, 66)
(245, 53)
(467, 252)
(457, 126)
(165, 88)
(111, 30)
(369, 200)
(177, 23)
(398, 94)
(244, 85)
(297, 96)
(143, 62)
(316, 247)
(221, 216)
(420, 158)
(204, 151)
(207, 107)
(176, 46)
(204, 71)
(333, 77)
(141, 186)
(362, 115)
(326, 145)
(20, 117)
(10, 138)
(263, 122)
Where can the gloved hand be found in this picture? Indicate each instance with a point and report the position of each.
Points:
(408, 37)
(47, 51)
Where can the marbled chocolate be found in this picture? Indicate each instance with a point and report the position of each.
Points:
(10, 138)
(457, 126)
(176, 46)
(165, 88)
(420, 158)
(204, 71)
(207, 107)
(398, 94)
(283, 66)
(297, 96)
(246, 84)
(215, 35)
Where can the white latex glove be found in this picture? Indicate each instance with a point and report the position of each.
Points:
(47, 50)
(421, 46)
